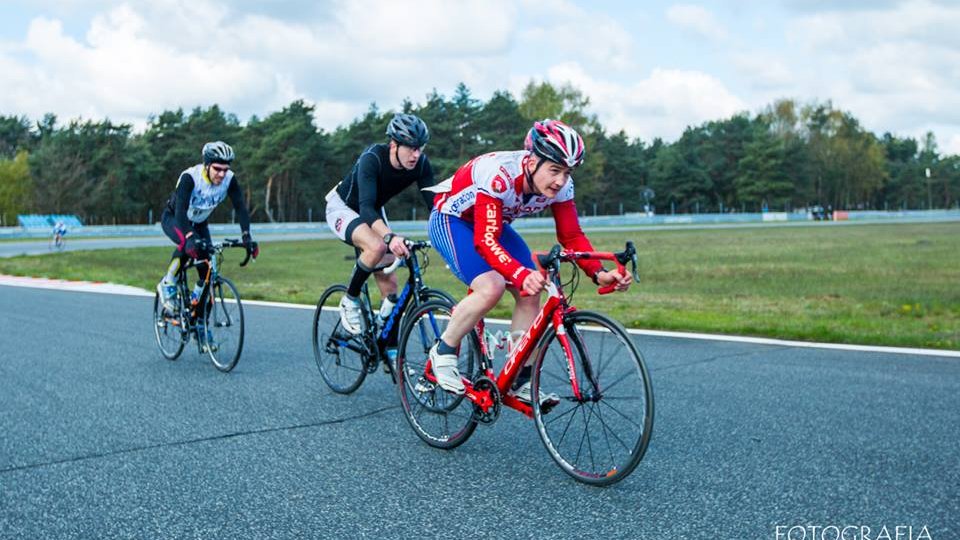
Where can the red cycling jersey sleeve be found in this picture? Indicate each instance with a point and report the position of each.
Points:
(571, 236)
(487, 228)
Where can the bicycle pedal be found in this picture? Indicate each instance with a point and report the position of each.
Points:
(423, 386)
(548, 405)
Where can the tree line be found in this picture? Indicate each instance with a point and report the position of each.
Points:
(785, 157)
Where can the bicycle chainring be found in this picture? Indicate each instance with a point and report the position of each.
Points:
(485, 384)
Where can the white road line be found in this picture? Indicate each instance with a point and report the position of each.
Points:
(111, 288)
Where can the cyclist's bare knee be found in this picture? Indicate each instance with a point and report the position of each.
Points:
(371, 245)
(489, 287)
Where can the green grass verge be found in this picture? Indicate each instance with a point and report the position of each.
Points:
(896, 285)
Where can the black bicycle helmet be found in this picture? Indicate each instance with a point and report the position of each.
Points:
(408, 130)
(217, 152)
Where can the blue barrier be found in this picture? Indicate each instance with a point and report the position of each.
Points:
(47, 221)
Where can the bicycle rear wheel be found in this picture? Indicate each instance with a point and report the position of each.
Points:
(168, 328)
(340, 356)
(601, 437)
(441, 419)
(224, 323)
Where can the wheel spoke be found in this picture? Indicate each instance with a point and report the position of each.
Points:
(624, 416)
(555, 417)
(341, 358)
(440, 419)
(607, 429)
(586, 430)
(601, 439)
(622, 378)
(566, 428)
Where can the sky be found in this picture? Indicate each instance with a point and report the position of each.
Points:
(649, 68)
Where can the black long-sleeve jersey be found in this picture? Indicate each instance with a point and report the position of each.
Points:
(373, 181)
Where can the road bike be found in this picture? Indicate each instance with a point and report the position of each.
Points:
(58, 242)
(594, 399)
(213, 318)
(343, 359)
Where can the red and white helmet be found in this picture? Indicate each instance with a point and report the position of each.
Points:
(556, 141)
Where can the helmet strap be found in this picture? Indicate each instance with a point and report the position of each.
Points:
(529, 175)
(395, 154)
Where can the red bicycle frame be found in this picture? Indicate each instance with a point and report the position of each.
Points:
(551, 313)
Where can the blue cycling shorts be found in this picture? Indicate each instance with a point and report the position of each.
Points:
(452, 237)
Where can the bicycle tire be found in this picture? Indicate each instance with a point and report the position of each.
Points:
(429, 293)
(225, 324)
(426, 294)
(429, 411)
(340, 357)
(170, 335)
(580, 435)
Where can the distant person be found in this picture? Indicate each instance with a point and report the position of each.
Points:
(199, 190)
(60, 230)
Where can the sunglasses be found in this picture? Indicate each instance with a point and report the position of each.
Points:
(222, 169)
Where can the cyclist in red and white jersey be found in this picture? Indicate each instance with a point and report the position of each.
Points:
(470, 228)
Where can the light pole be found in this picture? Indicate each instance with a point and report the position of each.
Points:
(929, 197)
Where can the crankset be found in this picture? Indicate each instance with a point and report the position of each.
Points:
(485, 385)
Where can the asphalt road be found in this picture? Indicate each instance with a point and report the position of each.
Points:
(103, 438)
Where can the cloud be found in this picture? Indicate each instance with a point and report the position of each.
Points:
(404, 28)
(698, 20)
(895, 68)
(765, 71)
(116, 72)
(131, 63)
(893, 64)
(572, 33)
(661, 105)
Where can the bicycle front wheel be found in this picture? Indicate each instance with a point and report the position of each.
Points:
(340, 356)
(224, 340)
(599, 437)
(441, 419)
(168, 329)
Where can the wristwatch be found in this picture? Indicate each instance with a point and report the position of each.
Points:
(387, 238)
(594, 277)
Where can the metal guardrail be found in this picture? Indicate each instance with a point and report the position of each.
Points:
(592, 222)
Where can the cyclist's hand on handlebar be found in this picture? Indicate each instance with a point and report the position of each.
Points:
(533, 283)
(398, 247)
(253, 248)
(621, 282)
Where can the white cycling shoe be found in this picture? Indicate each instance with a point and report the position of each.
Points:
(350, 316)
(445, 370)
(167, 292)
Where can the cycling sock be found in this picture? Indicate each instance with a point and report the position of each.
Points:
(172, 271)
(360, 274)
(443, 348)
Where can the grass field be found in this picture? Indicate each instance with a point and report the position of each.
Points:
(867, 284)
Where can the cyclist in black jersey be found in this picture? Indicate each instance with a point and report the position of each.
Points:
(355, 208)
(199, 190)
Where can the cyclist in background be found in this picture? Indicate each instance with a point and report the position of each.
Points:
(199, 190)
(59, 231)
(470, 227)
(355, 209)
